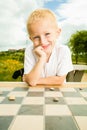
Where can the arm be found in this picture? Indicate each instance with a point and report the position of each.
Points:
(55, 80)
(52, 80)
(33, 76)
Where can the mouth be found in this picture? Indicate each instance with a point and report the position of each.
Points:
(45, 46)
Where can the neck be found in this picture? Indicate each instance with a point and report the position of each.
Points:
(48, 57)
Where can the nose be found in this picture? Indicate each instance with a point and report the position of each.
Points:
(43, 40)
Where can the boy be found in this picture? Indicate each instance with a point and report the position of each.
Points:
(46, 61)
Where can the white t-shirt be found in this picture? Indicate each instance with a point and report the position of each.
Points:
(59, 64)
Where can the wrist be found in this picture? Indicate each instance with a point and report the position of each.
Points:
(42, 59)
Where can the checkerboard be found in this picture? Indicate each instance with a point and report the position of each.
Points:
(35, 109)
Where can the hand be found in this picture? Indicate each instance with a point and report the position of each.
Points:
(39, 51)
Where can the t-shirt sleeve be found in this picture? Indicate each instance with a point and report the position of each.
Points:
(65, 64)
(29, 60)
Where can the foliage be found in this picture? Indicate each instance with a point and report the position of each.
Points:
(78, 44)
(10, 61)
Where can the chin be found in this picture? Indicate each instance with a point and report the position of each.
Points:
(48, 51)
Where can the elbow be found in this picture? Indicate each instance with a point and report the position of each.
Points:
(32, 83)
(28, 80)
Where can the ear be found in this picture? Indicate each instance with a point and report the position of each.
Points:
(58, 32)
(30, 38)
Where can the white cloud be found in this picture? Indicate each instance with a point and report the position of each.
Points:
(74, 14)
(10, 27)
(74, 10)
(26, 7)
(14, 13)
(13, 21)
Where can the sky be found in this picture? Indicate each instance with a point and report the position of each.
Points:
(71, 16)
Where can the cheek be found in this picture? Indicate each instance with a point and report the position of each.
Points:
(36, 44)
(52, 38)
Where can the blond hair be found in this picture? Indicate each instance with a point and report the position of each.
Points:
(40, 14)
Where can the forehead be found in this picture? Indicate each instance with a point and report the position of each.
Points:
(42, 25)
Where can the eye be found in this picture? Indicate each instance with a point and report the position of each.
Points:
(47, 34)
(36, 37)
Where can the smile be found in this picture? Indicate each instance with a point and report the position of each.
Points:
(46, 46)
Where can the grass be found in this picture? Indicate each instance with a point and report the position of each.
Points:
(11, 61)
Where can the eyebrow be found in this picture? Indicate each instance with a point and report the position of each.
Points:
(35, 37)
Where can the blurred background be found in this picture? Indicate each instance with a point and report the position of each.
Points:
(71, 16)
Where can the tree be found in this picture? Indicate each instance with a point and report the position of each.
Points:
(78, 44)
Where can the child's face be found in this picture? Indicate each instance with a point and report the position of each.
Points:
(44, 33)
